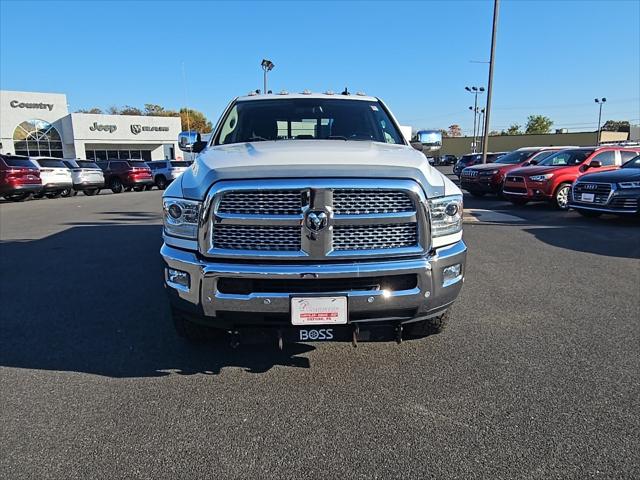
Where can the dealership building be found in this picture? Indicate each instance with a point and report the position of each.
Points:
(39, 124)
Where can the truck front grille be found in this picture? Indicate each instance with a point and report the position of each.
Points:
(256, 237)
(374, 237)
(275, 219)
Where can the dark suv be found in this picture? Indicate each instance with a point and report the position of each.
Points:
(122, 175)
(615, 191)
(19, 178)
(474, 159)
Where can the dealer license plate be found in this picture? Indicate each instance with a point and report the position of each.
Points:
(319, 310)
(588, 197)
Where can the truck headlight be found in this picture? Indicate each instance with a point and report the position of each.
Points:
(540, 178)
(446, 215)
(180, 217)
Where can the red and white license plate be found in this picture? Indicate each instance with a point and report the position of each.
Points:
(319, 310)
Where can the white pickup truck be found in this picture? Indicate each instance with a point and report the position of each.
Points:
(310, 217)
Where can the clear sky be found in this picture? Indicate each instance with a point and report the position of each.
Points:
(553, 57)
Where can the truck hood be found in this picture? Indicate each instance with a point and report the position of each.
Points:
(613, 176)
(311, 159)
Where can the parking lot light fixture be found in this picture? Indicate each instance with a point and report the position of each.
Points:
(475, 91)
(600, 102)
(267, 66)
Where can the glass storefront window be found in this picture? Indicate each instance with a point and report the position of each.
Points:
(135, 155)
(37, 138)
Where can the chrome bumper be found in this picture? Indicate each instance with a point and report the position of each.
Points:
(430, 297)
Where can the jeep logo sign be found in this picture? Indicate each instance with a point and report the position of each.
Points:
(136, 129)
(39, 106)
(103, 128)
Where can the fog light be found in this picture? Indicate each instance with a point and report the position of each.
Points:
(178, 279)
(451, 274)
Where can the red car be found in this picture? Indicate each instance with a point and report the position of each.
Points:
(120, 175)
(19, 178)
(551, 179)
(489, 177)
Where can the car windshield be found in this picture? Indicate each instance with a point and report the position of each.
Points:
(566, 158)
(307, 119)
(543, 154)
(469, 158)
(51, 163)
(514, 157)
(633, 163)
(86, 164)
(20, 162)
(179, 164)
(138, 164)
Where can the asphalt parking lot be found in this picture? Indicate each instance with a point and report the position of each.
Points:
(536, 376)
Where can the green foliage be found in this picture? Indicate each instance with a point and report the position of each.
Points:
(89, 110)
(514, 129)
(538, 124)
(616, 126)
(195, 120)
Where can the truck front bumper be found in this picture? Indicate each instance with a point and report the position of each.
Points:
(429, 285)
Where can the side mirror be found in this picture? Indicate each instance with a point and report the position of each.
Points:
(594, 164)
(417, 145)
(199, 146)
(532, 162)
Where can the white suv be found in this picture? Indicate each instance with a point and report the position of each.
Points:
(166, 171)
(87, 177)
(56, 177)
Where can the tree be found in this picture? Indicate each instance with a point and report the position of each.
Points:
(514, 129)
(538, 124)
(154, 110)
(113, 110)
(495, 133)
(89, 110)
(195, 120)
(444, 133)
(616, 126)
(129, 110)
(455, 130)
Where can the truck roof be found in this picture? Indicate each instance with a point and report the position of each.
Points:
(285, 95)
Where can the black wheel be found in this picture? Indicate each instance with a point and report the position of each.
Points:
(127, 189)
(90, 192)
(138, 189)
(191, 331)
(561, 197)
(148, 187)
(55, 194)
(519, 201)
(17, 197)
(475, 193)
(116, 185)
(67, 192)
(589, 213)
(38, 195)
(425, 328)
(161, 182)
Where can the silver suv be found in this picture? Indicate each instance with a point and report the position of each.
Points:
(310, 217)
(87, 177)
(166, 171)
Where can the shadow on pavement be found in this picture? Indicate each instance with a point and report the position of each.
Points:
(91, 299)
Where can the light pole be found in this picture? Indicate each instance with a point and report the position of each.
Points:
(600, 102)
(492, 61)
(475, 91)
(267, 66)
(482, 111)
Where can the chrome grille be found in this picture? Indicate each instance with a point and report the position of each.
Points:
(278, 218)
(256, 237)
(600, 192)
(358, 202)
(262, 202)
(468, 172)
(374, 237)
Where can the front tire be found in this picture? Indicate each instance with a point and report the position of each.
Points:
(116, 185)
(66, 192)
(55, 194)
(561, 197)
(432, 326)
(17, 197)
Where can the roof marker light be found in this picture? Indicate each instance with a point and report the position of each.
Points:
(283, 92)
(306, 92)
(361, 94)
(329, 92)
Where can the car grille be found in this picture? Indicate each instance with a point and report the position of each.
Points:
(361, 218)
(625, 203)
(374, 237)
(255, 237)
(356, 202)
(256, 202)
(515, 179)
(600, 192)
(469, 173)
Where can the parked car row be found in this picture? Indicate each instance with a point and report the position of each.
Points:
(22, 177)
(587, 179)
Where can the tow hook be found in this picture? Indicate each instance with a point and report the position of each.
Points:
(399, 333)
(355, 332)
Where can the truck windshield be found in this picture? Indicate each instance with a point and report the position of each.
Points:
(564, 158)
(307, 119)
